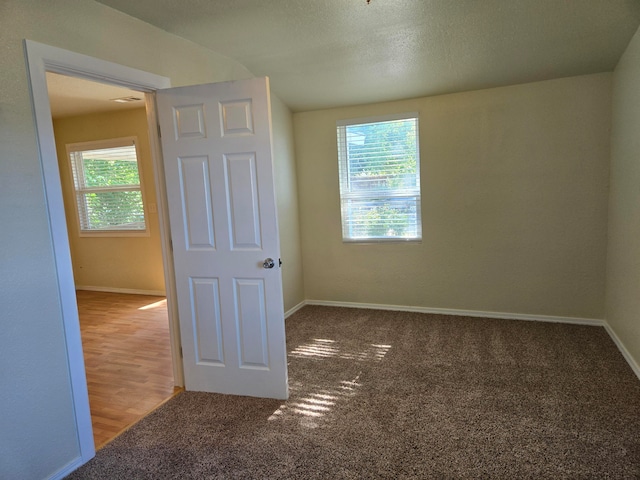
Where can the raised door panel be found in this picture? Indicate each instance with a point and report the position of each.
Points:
(207, 321)
(242, 192)
(197, 209)
(189, 122)
(251, 323)
(236, 118)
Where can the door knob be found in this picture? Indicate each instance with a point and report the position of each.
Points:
(269, 263)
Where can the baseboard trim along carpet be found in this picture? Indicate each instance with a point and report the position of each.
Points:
(623, 350)
(133, 291)
(462, 313)
(478, 313)
(67, 469)
(293, 310)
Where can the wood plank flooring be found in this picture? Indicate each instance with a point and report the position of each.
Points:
(125, 339)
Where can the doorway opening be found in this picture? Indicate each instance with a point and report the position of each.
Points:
(118, 269)
(41, 59)
(257, 347)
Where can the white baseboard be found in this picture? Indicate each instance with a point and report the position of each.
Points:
(477, 313)
(133, 291)
(463, 313)
(623, 350)
(67, 469)
(293, 310)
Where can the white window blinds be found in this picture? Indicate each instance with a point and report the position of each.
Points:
(108, 193)
(380, 178)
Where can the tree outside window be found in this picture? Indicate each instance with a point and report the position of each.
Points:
(107, 185)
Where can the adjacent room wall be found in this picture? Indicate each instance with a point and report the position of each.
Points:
(125, 262)
(623, 260)
(514, 204)
(37, 430)
(287, 203)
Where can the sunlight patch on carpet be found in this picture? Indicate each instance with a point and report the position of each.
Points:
(324, 348)
(308, 404)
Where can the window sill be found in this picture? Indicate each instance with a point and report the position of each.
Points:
(376, 241)
(115, 233)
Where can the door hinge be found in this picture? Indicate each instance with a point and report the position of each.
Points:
(159, 131)
(181, 353)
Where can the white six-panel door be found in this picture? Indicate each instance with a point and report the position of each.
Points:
(216, 142)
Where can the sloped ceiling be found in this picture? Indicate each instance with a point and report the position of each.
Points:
(325, 53)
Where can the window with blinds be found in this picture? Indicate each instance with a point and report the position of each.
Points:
(108, 193)
(379, 165)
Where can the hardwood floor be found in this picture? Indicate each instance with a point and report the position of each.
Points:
(125, 339)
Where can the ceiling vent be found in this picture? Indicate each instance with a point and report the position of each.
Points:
(126, 99)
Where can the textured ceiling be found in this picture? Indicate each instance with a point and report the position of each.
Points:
(325, 53)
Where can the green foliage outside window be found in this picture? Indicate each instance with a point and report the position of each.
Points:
(380, 186)
(108, 188)
(388, 153)
(109, 209)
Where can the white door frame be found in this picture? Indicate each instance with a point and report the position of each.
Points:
(41, 59)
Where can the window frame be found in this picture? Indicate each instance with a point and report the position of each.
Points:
(343, 169)
(105, 144)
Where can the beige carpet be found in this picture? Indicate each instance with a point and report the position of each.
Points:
(378, 394)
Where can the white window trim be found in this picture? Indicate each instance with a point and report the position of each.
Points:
(96, 145)
(378, 118)
(342, 156)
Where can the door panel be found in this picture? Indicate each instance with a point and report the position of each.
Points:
(196, 201)
(207, 322)
(251, 321)
(237, 118)
(244, 221)
(216, 143)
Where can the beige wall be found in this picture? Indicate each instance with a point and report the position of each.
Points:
(38, 435)
(623, 260)
(132, 263)
(514, 204)
(287, 203)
